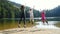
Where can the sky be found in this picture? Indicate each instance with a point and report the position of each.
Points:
(39, 4)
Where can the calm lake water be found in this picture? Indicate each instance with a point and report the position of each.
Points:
(50, 26)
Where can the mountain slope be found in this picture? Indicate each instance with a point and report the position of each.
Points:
(54, 12)
(7, 10)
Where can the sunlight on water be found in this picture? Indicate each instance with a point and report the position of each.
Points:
(50, 26)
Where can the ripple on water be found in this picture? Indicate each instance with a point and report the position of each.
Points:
(50, 26)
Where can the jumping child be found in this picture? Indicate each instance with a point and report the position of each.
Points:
(43, 17)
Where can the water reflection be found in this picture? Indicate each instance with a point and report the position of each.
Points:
(50, 26)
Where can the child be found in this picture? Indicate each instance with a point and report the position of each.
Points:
(22, 16)
(31, 16)
(43, 17)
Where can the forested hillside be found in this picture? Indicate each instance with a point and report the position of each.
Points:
(7, 10)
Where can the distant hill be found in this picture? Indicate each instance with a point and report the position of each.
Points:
(54, 12)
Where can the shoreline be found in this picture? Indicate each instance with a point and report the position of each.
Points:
(30, 30)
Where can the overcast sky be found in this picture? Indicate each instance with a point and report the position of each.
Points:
(39, 4)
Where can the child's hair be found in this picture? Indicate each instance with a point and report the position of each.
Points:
(22, 6)
(30, 9)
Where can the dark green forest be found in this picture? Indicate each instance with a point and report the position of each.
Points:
(7, 10)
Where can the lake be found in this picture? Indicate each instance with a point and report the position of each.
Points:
(50, 26)
(7, 23)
